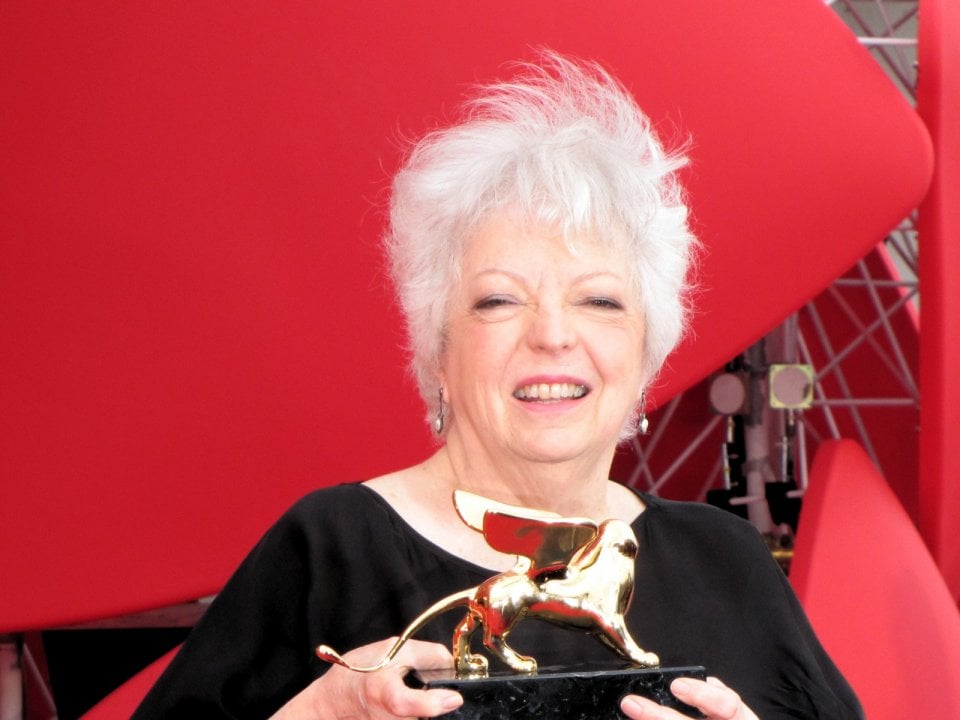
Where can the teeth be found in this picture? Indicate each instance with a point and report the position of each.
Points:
(550, 391)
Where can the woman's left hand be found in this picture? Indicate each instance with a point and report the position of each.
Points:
(714, 699)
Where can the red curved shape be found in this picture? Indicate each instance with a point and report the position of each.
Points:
(938, 225)
(196, 331)
(872, 591)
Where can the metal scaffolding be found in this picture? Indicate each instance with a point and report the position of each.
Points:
(868, 317)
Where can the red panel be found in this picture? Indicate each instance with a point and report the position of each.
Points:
(195, 322)
(873, 593)
(938, 101)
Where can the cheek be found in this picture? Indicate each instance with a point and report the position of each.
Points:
(478, 353)
(620, 359)
(616, 346)
(489, 342)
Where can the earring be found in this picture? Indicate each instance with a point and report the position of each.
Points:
(438, 422)
(644, 424)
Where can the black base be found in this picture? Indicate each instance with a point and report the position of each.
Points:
(569, 693)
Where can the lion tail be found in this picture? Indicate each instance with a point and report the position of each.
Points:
(325, 652)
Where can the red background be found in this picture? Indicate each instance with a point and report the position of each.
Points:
(195, 320)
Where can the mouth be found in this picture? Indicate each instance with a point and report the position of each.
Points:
(545, 392)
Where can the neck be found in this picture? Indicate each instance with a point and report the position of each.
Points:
(574, 488)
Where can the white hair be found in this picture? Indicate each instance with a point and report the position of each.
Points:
(563, 143)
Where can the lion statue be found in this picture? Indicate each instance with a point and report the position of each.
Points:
(571, 572)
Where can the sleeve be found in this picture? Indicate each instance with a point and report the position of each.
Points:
(250, 652)
(803, 681)
(711, 594)
(828, 690)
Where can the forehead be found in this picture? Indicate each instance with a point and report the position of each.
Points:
(506, 239)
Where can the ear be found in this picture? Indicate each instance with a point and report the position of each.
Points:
(641, 393)
(433, 381)
(439, 373)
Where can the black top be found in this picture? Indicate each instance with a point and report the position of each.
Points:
(342, 568)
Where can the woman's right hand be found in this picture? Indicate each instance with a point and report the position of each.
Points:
(714, 699)
(342, 694)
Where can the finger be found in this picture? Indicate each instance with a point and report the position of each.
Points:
(384, 695)
(423, 655)
(745, 712)
(716, 682)
(636, 707)
(426, 703)
(369, 655)
(390, 693)
(415, 654)
(713, 699)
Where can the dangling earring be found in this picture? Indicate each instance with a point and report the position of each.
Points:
(438, 423)
(644, 425)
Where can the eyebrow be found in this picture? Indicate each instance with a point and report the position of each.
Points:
(577, 279)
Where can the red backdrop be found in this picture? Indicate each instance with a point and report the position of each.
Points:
(938, 102)
(195, 321)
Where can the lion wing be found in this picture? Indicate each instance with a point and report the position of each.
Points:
(549, 540)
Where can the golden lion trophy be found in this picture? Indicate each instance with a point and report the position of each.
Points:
(571, 572)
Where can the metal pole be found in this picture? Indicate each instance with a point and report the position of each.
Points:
(756, 437)
(11, 679)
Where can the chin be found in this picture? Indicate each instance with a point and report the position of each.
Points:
(558, 447)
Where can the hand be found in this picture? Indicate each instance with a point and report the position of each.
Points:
(714, 699)
(342, 694)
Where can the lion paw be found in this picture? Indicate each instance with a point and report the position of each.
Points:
(472, 666)
(649, 659)
(525, 665)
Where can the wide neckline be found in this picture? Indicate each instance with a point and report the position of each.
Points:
(648, 501)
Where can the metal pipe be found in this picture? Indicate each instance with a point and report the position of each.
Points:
(841, 380)
(689, 450)
(867, 334)
(866, 402)
(837, 357)
(11, 680)
(645, 450)
(876, 41)
(888, 330)
(818, 387)
(853, 282)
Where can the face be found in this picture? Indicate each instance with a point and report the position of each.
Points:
(544, 346)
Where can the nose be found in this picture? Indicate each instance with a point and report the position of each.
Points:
(551, 328)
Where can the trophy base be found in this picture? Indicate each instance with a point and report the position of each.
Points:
(567, 692)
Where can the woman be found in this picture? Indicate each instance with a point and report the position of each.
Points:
(540, 250)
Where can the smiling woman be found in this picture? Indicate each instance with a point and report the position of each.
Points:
(576, 156)
(539, 249)
(542, 360)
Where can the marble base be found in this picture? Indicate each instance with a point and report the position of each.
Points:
(569, 693)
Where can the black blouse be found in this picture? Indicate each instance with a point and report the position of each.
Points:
(342, 568)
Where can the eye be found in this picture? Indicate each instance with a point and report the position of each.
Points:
(494, 301)
(605, 303)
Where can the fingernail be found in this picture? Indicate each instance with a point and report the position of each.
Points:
(632, 706)
(681, 685)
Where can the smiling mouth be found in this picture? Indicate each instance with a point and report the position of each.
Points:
(550, 391)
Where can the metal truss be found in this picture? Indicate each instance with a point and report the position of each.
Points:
(867, 318)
